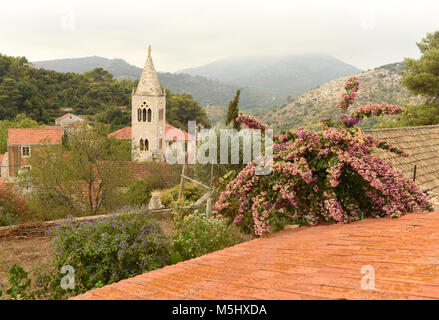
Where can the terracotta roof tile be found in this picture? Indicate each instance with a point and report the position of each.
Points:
(49, 134)
(322, 262)
(171, 133)
(422, 143)
(174, 134)
(64, 116)
(122, 134)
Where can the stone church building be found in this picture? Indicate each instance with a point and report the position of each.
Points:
(148, 104)
(149, 133)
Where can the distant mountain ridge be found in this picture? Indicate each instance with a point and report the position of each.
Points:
(265, 81)
(119, 68)
(381, 85)
(206, 91)
(282, 76)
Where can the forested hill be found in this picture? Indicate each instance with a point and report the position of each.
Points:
(204, 90)
(43, 94)
(265, 81)
(119, 68)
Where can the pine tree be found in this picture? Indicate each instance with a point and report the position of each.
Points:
(421, 77)
(233, 111)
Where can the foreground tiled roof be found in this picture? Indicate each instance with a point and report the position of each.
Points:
(126, 133)
(322, 262)
(422, 143)
(49, 134)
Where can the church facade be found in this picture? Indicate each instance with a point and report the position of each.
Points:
(148, 116)
(149, 133)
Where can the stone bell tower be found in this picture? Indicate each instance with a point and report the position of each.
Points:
(148, 116)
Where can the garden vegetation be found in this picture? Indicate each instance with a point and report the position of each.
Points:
(328, 175)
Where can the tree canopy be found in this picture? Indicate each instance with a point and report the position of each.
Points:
(233, 111)
(83, 177)
(43, 94)
(421, 77)
(181, 108)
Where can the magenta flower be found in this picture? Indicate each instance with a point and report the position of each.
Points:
(330, 175)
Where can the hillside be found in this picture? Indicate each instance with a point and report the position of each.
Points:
(205, 91)
(376, 86)
(265, 81)
(44, 94)
(279, 76)
(119, 68)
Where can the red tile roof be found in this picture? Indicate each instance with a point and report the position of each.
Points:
(1, 158)
(49, 134)
(174, 134)
(322, 262)
(126, 133)
(64, 116)
(122, 134)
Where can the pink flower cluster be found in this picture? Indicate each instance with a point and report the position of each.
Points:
(330, 175)
(348, 98)
(349, 122)
(251, 122)
(374, 110)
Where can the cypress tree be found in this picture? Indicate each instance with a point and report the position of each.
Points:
(233, 111)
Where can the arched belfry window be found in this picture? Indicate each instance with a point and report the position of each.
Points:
(144, 115)
(141, 144)
(139, 115)
(146, 144)
(149, 115)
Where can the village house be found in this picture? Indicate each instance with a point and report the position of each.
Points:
(20, 145)
(68, 119)
(149, 133)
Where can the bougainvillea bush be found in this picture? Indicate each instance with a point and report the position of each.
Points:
(124, 244)
(329, 175)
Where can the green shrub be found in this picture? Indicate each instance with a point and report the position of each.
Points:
(191, 193)
(139, 193)
(108, 250)
(19, 283)
(13, 208)
(199, 234)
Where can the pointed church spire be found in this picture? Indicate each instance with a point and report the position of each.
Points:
(149, 83)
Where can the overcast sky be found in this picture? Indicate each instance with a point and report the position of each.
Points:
(188, 33)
